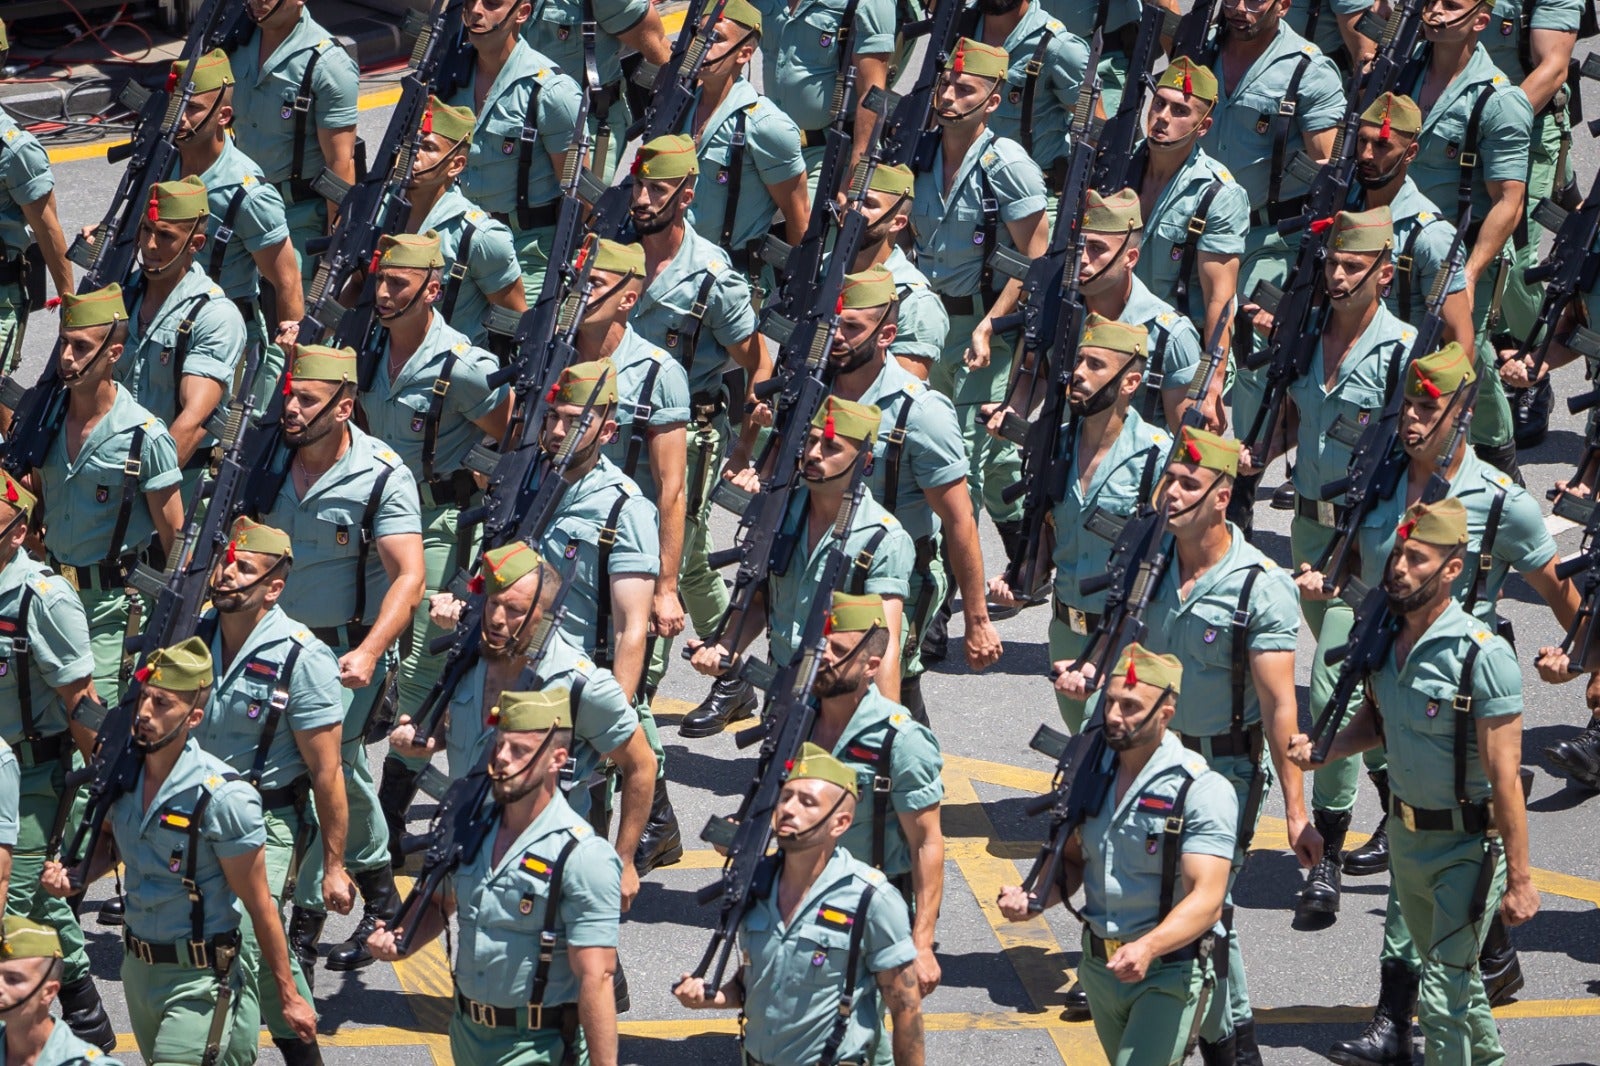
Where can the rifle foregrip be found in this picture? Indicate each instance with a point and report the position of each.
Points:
(1014, 491)
(708, 894)
(1333, 490)
(1093, 586)
(1571, 568)
(1583, 401)
(1039, 804)
(769, 388)
(717, 560)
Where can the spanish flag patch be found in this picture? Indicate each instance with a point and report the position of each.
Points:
(835, 919)
(536, 866)
(174, 820)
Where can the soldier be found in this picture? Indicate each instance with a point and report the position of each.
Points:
(879, 550)
(919, 474)
(923, 324)
(520, 588)
(981, 192)
(527, 119)
(801, 1005)
(689, 289)
(481, 272)
(49, 668)
(190, 837)
(1460, 845)
(546, 879)
(1118, 22)
(295, 113)
(274, 716)
(1331, 26)
(31, 964)
(347, 498)
(1195, 215)
(247, 231)
(185, 338)
(110, 480)
(1149, 926)
(1116, 456)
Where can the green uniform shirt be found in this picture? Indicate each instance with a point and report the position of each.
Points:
(490, 179)
(65, 1049)
(25, 176)
(1325, 35)
(1227, 220)
(1199, 630)
(1419, 226)
(801, 54)
(1122, 844)
(257, 222)
(1173, 335)
(264, 97)
(1417, 701)
(924, 323)
(500, 908)
(640, 363)
(82, 497)
(325, 527)
(149, 839)
(1241, 139)
(1503, 37)
(1113, 490)
(148, 368)
(491, 260)
(1521, 541)
(10, 796)
(1055, 89)
(241, 700)
(915, 764)
(790, 594)
(794, 973)
(554, 30)
(932, 455)
(948, 228)
(771, 155)
(585, 510)
(57, 632)
(662, 315)
(1332, 420)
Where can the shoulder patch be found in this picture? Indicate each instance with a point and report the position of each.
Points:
(1166, 318)
(1498, 79)
(41, 584)
(897, 719)
(248, 180)
(1055, 25)
(1310, 50)
(213, 781)
(1501, 480)
(583, 664)
(301, 634)
(1224, 173)
(1407, 334)
(152, 421)
(714, 266)
(387, 456)
(914, 388)
(1424, 216)
(459, 346)
(215, 290)
(11, 135)
(1268, 564)
(475, 215)
(581, 831)
(988, 158)
(1195, 765)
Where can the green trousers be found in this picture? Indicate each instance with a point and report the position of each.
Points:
(993, 464)
(1230, 1007)
(108, 632)
(1435, 875)
(366, 844)
(1543, 156)
(284, 824)
(171, 1008)
(1065, 644)
(533, 253)
(1397, 942)
(1500, 320)
(1267, 258)
(420, 670)
(1149, 1023)
(929, 584)
(511, 1045)
(258, 335)
(36, 810)
(308, 220)
(13, 318)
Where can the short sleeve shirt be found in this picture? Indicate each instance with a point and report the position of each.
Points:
(554, 30)
(948, 228)
(802, 52)
(490, 179)
(924, 323)
(149, 368)
(1226, 220)
(1419, 226)
(639, 364)
(10, 796)
(1176, 336)
(82, 497)
(771, 155)
(662, 315)
(25, 177)
(915, 764)
(1325, 34)
(57, 631)
(1055, 88)
(258, 222)
(491, 259)
(65, 1049)
(264, 97)
(933, 453)
(1503, 38)
(604, 719)
(1082, 16)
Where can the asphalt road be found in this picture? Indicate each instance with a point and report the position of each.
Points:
(1002, 988)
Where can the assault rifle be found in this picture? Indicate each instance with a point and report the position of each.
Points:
(911, 135)
(1582, 640)
(1114, 159)
(1193, 32)
(678, 81)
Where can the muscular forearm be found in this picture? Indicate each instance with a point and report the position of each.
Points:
(274, 946)
(966, 559)
(333, 813)
(46, 224)
(1006, 302)
(927, 886)
(597, 1013)
(1497, 227)
(638, 790)
(1190, 919)
(629, 659)
(1280, 718)
(673, 502)
(394, 614)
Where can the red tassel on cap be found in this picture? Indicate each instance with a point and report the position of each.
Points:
(1405, 529)
(154, 212)
(550, 397)
(172, 79)
(1427, 385)
(233, 552)
(638, 164)
(959, 63)
(11, 491)
(839, 307)
(1188, 86)
(1193, 449)
(142, 674)
(476, 585)
(1322, 225)
(377, 256)
(583, 257)
(827, 626)
(427, 121)
(1386, 128)
(827, 428)
(288, 382)
(1132, 678)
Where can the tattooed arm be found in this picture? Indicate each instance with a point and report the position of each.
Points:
(903, 997)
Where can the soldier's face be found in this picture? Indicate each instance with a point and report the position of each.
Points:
(862, 333)
(1419, 572)
(1420, 418)
(1356, 278)
(1196, 496)
(1133, 714)
(169, 246)
(523, 761)
(563, 419)
(485, 20)
(1106, 262)
(275, 13)
(401, 293)
(827, 459)
(87, 355)
(1454, 21)
(164, 714)
(509, 618)
(204, 115)
(1249, 19)
(732, 46)
(1378, 159)
(811, 814)
(844, 668)
(885, 215)
(312, 410)
(963, 98)
(658, 203)
(1097, 367)
(437, 162)
(24, 983)
(1175, 118)
(610, 302)
(238, 583)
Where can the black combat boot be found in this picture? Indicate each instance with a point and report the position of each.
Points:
(1502, 972)
(1320, 896)
(1242, 506)
(111, 911)
(85, 1015)
(1579, 755)
(396, 792)
(1386, 1041)
(1246, 1052)
(1077, 1006)
(936, 637)
(379, 900)
(1014, 539)
(1373, 856)
(731, 700)
(1222, 1053)
(1283, 497)
(911, 698)
(297, 1052)
(661, 843)
(305, 936)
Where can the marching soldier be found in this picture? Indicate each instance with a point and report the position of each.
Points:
(350, 506)
(1446, 705)
(49, 668)
(1116, 457)
(30, 958)
(109, 484)
(295, 113)
(274, 716)
(1331, 26)
(922, 322)
(527, 113)
(1149, 923)
(919, 474)
(190, 837)
(538, 907)
(801, 1005)
(1118, 22)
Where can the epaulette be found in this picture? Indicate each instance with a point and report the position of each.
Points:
(387, 456)
(1500, 479)
(872, 875)
(583, 664)
(753, 107)
(1224, 173)
(474, 215)
(1166, 318)
(1311, 50)
(1159, 436)
(1268, 564)
(714, 266)
(1498, 79)
(1054, 25)
(913, 388)
(1424, 216)
(1194, 764)
(1482, 636)
(459, 347)
(302, 635)
(213, 782)
(248, 180)
(215, 290)
(151, 421)
(581, 830)
(628, 486)
(1408, 334)
(988, 158)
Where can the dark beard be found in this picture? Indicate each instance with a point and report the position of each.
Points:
(657, 223)
(829, 685)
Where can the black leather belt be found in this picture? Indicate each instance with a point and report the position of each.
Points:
(12, 271)
(287, 796)
(196, 955)
(1277, 212)
(1064, 615)
(453, 490)
(1474, 818)
(1223, 745)
(819, 138)
(42, 750)
(527, 1017)
(1104, 949)
(960, 305)
(248, 306)
(1322, 512)
(96, 577)
(706, 406)
(348, 635)
(539, 216)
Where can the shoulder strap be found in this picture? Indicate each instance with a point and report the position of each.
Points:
(894, 448)
(1172, 846)
(302, 109)
(1030, 86)
(639, 426)
(735, 175)
(435, 415)
(988, 228)
(847, 998)
(1239, 651)
(365, 537)
(1189, 250)
(861, 566)
(224, 234)
(131, 468)
(1484, 562)
(686, 339)
(882, 792)
(526, 142)
(606, 539)
(547, 934)
(1406, 270)
(275, 708)
(180, 347)
(1463, 713)
(1280, 129)
(1468, 159)
(457, 273)
(191, 884)
(22, 661)
(1150, 401)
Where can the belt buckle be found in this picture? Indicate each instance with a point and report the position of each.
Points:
(1112, 947)
(1327, 514)
(1077, 621)
(1408, 815)
(480, 1013)
(199, 954)
(69, 574)
(536, 1016)
(141, 950)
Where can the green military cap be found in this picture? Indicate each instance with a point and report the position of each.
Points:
(1440, 373)
(1139, 665)
(25, 938)
(1360, 231)
(744, 13)
(17, 494)
(178, 201)
(102, 307)
(614, 257)
(873, 287)
(816, 764)
(850, 420)
(1125, 337)
(1394, 113)
(856, 614)
(975, 57)
(1190, 79)
(211, 71)
(529, 712)
(666, 157)
(893, 178)
(411, 251)
(1208, 450)
(1442, 524)
(184, 667)
(506, 565)
(578, 381)
(454, 124)
(318, 362)
(249, 535)
(1117, 213)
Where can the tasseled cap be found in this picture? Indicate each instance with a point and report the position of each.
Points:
(532, 712)
(893, 178)
(1362, 231)
(1118, 213)
(24, 938)
(211, 72)
(17, 494)
(1440, 373)
(318, 362)
(873, 287)
(1190, 78)
(1206, 449)
(744, 13)
(848, 419)
(975, 57)
(856, 614)
(815, 764)
(1394, 113)
(1141, 666)
(102, 307)
(453, 124)
(411, 251)
(249, 535)
(506, 565)
(178, 201)
(666, 158)
(1442, 524)
(578, 381)
(1113, 336)
(614, 257)
(184, 667)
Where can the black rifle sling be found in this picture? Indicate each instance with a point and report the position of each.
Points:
(1463, 713)
(606, 539)
(364, 539)
(435, 415)
(224, 234)
(639, 427)
(1483, 562)
(894, 448)
(456, 274)
(298, 185)
(131, 468)
(278, 703)
(527, 140)
(1030, 86)
(547, 932)
(1281, 122)
(847, 999)
(1172, 847)
(734, 173)
(685, 338)
(1189, 250)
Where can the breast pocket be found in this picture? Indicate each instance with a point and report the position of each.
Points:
(1253, 112)
(411, 413)
(519, 904)
(1143, 839)
(1443, 144)
(499, 132)
(336, 532)
(826, 953)
(6, 653)
(1438, 714)
(819, 40)
(1208, 635)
